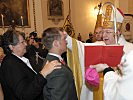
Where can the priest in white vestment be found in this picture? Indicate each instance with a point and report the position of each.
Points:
(87, 93)
(117, 84)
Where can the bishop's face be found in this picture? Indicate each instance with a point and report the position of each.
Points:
(108, 36)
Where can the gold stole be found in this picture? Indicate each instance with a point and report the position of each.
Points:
(98, 93)
(74, 64)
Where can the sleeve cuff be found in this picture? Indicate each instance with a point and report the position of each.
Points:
(107, 70)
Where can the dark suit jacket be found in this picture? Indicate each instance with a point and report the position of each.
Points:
(31, 55)
(19, 82)
(89, 41)
(60, 83)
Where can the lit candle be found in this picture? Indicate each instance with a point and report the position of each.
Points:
(22, 21)
(2, 19)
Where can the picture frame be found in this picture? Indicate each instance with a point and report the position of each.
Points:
(55, 9)
(127, 27)
(14, 12)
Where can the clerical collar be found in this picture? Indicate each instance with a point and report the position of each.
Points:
(53, 54)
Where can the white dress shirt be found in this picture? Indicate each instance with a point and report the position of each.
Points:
(26, 61)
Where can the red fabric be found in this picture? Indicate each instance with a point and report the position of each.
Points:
(110, 55)
(63, 62)
(121, 12)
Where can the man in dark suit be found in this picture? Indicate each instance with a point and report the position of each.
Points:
(90, 40)
(18, 79)
(35, 52)
(60, 83)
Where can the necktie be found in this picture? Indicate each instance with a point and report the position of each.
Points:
(63, 62)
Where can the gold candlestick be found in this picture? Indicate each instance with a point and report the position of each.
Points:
(22, 21)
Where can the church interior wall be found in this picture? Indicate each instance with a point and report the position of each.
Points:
(83, 16)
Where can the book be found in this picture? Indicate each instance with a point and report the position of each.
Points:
(110, 54)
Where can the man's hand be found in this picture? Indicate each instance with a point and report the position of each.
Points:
(99, 67)
(120, 67)
(49, 67)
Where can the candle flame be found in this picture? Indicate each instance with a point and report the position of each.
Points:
(21, 17)
(1, 15)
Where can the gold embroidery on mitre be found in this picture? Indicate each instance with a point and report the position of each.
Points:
(107, 20)
(99, 21)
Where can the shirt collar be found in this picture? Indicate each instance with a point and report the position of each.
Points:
(53, 54)
(26, 61)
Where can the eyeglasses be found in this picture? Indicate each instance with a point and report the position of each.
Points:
(108, 32)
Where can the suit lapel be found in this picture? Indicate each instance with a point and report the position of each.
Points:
(20, 61)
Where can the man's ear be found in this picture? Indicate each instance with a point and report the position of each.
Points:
(11, 47)
(55, 43)
(118, 32)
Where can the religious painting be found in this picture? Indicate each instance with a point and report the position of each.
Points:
(127, 27)
(55, 9)
(14, 12)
